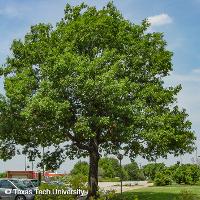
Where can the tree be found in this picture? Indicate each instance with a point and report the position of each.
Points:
(80, 168)
(92, 84)
(110, 167)
(150, 170)
(163, 178)
(133, 171)
(187, 174)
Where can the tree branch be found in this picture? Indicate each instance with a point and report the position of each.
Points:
(77, 143)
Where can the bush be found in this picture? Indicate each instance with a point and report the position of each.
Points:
(133, 172)
(105, 195)
(150, 170)
(80, 167)
(187, 174)
(163, 178)
(78, 181)
(3, 175)
(110, 167)
(186, 195)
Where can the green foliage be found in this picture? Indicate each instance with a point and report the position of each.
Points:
(173, 168)
(124, 174)
(74, 182)
(110, 167)
(78, 182)
(116, 179)
(135, 197)
(185, 195)
(80, 168)
(187, 174)
(92, 82)
(94, 75)
(3, 175)
(133, 171)
(162, 193)
(150, 170)
(163, 178)
(105, 195)
(119, 197)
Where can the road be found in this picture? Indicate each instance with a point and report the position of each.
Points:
(127, 185)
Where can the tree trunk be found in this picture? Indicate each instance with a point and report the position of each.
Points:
(93, 175)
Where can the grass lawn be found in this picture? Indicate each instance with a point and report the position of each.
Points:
(161, 193)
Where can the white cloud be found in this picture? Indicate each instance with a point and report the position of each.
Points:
(159, 20)
(196, 71)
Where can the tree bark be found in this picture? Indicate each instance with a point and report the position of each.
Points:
(93, 174)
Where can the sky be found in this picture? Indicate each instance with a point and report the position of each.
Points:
(177, 19)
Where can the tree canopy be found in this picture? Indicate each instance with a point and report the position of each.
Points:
(110, 167)
(134, 172)
(92, 84)
(80, 167)
(151, 169)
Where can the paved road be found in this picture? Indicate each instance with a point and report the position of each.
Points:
(127, 185)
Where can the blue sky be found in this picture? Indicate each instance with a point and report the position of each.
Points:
(178, 20)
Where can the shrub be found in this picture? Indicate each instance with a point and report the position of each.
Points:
(110, 167)
(133, 171)
(3, 175)
(78, 181)
(150, 170)
(187, 174)
(185, 195)
(163, 178)
(105, 195)
(80, 167)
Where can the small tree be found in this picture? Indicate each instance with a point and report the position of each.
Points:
(150, 170)
(80, 168)
(187, 174)
(133, 171)
(163, 178)
(110, 167)
(93, 84)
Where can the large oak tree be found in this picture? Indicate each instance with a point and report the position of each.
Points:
(92, 84)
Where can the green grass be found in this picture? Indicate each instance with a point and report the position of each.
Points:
(160, 193)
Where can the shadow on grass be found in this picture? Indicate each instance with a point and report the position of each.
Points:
(147, 195)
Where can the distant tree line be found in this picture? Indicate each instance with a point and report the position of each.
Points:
(158, 173)
(109, 168)
(161, 175)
